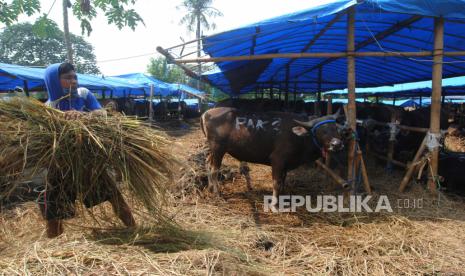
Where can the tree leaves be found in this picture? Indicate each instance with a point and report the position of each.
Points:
(159, 68)
(118, 12)
(9, 12)
(41, 44)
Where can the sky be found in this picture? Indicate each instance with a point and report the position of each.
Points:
(162, 28)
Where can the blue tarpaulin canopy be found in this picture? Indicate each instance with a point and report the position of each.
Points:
(450, 87)
(182, 88)
(160, 87)
(380, 26)
(12, 76)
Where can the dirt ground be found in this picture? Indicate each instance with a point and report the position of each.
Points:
(233, 235)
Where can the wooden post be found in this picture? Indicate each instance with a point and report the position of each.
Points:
(26, 88)
(318, 99)
(436, 96)
(351, 108)
(295, 93)
(329, 109)
(333, 175)
(392, 140)
(366, 182)
(286, 96)
(151, 103)
(411, 166)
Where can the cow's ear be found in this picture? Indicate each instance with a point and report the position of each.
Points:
(300, 131)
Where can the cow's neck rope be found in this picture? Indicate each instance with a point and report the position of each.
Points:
(315, 128)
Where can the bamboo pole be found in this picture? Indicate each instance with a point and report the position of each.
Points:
(329, 109)
(411, 166)
(393, 161)
(286, 95)
(409, 128)
(436, 96)
(151, 103)
(351, 108)
(316, 55)
(339, 180)
(26, 88)
(392, 140)
(366, 182)
(317, 106)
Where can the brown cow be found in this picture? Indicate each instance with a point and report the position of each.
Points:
(277, 139)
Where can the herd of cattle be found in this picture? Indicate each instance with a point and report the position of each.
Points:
(280, 134)
(286, 135)
(161, 110)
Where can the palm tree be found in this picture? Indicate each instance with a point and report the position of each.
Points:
(198, 14)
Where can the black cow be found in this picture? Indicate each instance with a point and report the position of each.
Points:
(277, 139)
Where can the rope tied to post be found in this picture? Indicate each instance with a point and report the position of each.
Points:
(433, 140)
(393, 131)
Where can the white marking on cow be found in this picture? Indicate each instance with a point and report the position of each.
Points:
(261, 124)
(240, 121)
(250, 124)
(276, 124)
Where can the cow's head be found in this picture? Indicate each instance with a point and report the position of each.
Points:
(324, 131)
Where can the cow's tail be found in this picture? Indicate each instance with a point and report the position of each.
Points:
(202, 124)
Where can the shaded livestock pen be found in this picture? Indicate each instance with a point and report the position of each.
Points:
(233, 235)
(382, 36)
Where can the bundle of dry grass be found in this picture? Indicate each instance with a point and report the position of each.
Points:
(86, 156)
(454, 140)
(454, 143)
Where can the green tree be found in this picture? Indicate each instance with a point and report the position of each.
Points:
(117, 12)
(42, 43)
(169, 73)
(198, 15)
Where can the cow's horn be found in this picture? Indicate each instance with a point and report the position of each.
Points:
(308, 124)
(337, 114)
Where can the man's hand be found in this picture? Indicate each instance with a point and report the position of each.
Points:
(73, 115)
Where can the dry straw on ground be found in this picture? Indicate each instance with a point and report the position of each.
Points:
(232, 235)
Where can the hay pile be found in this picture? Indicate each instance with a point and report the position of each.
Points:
(85, 155)
(454, 139)
(194, 176)
(234, 236)
(454, 143)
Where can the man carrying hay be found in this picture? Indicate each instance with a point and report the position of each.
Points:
(57, 202)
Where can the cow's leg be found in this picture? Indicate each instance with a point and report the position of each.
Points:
(213, 167)
(279, 175)
(121, 209)
(54, 228)
(245, 171)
